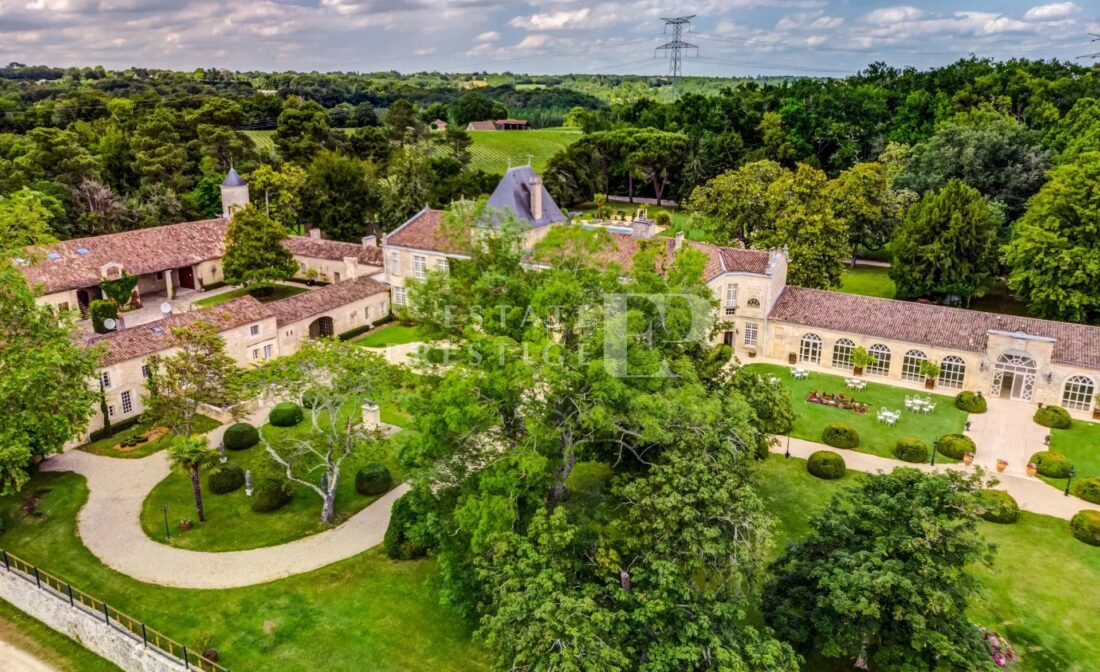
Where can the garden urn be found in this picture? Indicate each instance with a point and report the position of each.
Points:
(968, 458)
(1001, 466)
(1032, 468)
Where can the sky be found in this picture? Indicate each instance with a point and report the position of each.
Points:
(734, 37)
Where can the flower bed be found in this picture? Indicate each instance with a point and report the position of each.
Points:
(837, 401)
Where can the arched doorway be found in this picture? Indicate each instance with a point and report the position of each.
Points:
(321, 327)
(1014, 377)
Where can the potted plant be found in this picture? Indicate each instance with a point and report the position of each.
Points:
(1001, 466)
(751, 351)
(860, 359)
(931, 372)
(1032, 468)
(968, 458)
(792, 358)
(186, 524)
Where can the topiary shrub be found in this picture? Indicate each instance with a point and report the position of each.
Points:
(1085, 525)
(1051, 464)
(1054, 417)
(954, 445)
(997, 506)
(272, 494)
(100, 310)
(403, 537)
(285, 414)
(840, 435)
(911, 450)
(226, 478)
(240, 436)
(373, 479)
(1088, 489)
(971, 402)
(826, 464)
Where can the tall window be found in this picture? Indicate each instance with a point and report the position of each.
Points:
(399, 296)
(750, 334)
(145, 372)
(442, 265)
(255, 353)
(127, 403)
(267, 351)
(105, 379)
(418, 267)
(253, 330)
(366, 313)
(1078, 393)
(842, 354)
(910, 365)
(395, 263)
(952, 371)
(731, 300)
(881, 365)
(810, 349)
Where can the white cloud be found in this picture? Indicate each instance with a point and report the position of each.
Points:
(554, 20)
(1059, 10)
(888, 15)
(488, 36)
(533, 41)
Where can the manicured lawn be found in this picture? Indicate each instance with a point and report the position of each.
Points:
(277, 292)
(868, 281)
(47, 644)
(494, 151)
(394, 333)
(1081, 444)
(1040, 590)
(232, 525)
(875, 437)
(106, 447)
(364, 613)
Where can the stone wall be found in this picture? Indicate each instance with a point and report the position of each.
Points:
(83, 627)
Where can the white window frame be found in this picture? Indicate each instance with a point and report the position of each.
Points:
(842, 354)
(395, 263)
(911, 366)
(752, 332)
(127, 402)
(399, 296)
(145, 371)
(268, 351)
(255, 354)
(881, 365)
(1079, 393)
(110, 410)
(253, 330)
(952, 372)
(443, 265)
(809, 348)
(105, 379)
(731, 300)
(420, 263)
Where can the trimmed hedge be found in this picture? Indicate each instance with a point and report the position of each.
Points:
(373, 479)
(224, 479)
(285, 414)
(909, 449)
(401, 541)
(115, 428)
(100, 310)
(954, 445)
(271, 494)
(1051, 464)
(997, 506)
(826, 464)
(240, 436)
(1085, 525)
(971, 402)
(840, 435)
(1054, 417)
(1088, 489)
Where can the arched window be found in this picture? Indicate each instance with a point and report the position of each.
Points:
(881, 365)
(1078, 393)
(842, 354)
(810, 349)
(911, 363)
(952, 371)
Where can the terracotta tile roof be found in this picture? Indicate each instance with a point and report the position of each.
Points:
(319, 248)
(141, 251)
(481, 126)
(324, 299)
(422, 232)
(156, 336)
(719, 259)
(936, 326)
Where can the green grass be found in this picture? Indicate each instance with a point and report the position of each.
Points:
(46, 644)
(263, 140)
(232, 525)
(365, 613)
(394, 333)
(868, 281)
(106, 447)
(1037, 591)
(1081, 445)
(875, 437)
(278, 292)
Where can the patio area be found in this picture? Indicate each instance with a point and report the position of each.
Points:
(151, 306)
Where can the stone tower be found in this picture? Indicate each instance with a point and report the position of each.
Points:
(234, 193)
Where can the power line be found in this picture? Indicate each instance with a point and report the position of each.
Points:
(677, 46)
(1094, 55)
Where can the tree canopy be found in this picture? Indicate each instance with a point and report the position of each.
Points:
(254, 251)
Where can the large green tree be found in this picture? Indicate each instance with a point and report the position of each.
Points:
(1054, 256)
(476, 106)
(734, 206)
(863, 198)
(254, 251)
(885, 576)
(947, 248)
(302, 131)
(342, 196)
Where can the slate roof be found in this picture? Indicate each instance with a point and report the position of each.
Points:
(513, 194)
(156, 336)
(233, 179)
(935, 326)
(319, 248)
(318, 301)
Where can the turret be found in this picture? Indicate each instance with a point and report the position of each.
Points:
(234, 193)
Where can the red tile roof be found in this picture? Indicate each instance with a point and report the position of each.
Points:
(936, 326)
(319, 248)
(324, 299)
(423, 232)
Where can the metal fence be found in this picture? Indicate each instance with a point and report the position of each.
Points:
(100, 610)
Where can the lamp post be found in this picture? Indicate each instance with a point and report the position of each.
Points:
(167, 530)
(935, 447)
(1072, 473)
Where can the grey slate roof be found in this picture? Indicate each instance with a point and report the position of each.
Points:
(233, 179)
(513, 194)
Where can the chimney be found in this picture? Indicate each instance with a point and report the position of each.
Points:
(679, 240)
(315, 233)
(351, 268)
(534, 192)
(370, 241)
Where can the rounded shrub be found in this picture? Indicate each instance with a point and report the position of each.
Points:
(997, 506)
(373, 479)
(285, 414)
(240, 436)
(1051, 464)
(954, 445)
(226, 478)
(271, 494)
(1085, 525)
(1054, 417)
(826, 464)
(911, 450)
(405, 538)
(1088, 489)
(840, 435)
(971, 402)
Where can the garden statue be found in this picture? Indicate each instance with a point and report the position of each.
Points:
(372, 417)
(248, 482)
(221, 451)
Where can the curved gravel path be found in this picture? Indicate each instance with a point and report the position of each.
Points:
(109, 524)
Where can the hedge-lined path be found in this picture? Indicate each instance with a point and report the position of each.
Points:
(109, 524)
(1031, 494)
